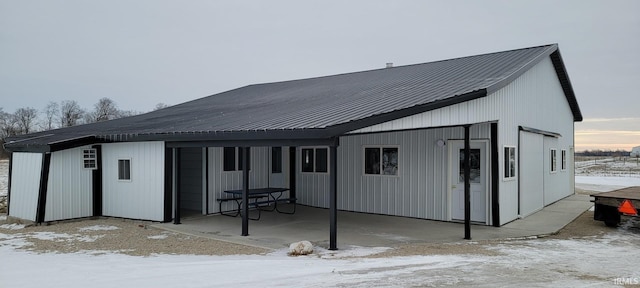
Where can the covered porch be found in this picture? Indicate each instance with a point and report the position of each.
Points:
(276, 230)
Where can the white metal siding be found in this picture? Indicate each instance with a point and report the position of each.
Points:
(220, 180)
(535, 100)
(143, 196)
(420, 189)
(531, 173)
(25, 185)
(69, 192)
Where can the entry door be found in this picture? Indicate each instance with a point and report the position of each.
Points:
(479, 180)
(277, 167)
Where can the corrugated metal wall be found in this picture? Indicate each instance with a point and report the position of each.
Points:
(220, 180)
(69, 192)
(419, 190)
(532, 165)
(535, 100)
(25, 185)
(143, 196)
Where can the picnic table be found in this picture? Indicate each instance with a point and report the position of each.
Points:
(259, 198)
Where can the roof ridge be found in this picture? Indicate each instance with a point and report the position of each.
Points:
(395, 67)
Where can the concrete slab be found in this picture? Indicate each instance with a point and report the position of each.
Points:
(275, 230)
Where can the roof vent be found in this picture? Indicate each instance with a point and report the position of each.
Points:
(389, 65)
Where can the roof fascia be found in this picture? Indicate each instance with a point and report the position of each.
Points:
(565, 82)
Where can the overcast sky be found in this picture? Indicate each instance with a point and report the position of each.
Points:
(140, 53)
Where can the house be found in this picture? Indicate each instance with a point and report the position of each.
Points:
(388, 141)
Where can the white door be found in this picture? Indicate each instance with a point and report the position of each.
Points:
(531, 173)
(277, 169)
(479, 180)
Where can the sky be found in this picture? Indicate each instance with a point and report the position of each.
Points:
(141, 53)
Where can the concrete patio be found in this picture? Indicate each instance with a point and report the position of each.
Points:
(275, 230)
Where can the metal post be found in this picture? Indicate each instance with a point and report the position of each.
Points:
(176, 165)
(245, 190)
(467, 184)
(333, 196)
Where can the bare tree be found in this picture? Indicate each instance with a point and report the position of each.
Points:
(7, 125)
(70, 113)
(104, 110)
(25, 118)
(50, 112)
(160, 106)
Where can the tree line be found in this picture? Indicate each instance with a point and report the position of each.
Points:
(55, 115)
(608, 153)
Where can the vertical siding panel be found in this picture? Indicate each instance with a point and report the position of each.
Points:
(143, 196)
(25, 184)
(69, 192)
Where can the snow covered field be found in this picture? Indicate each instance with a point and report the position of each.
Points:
(606, 260)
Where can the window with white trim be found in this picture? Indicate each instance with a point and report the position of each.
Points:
(89, 159)
(553, 159)
(124, 169)
(381, 161)
(509, 162)
(232, 159)
(564, 160)
(315, 160)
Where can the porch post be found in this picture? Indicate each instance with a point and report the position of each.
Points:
(333, 196)
(176, 184)
(467, 184)
(245, 190)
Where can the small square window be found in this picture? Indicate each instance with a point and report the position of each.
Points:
(240, 159)
(315, 160)
(89, 159)
(509, 162)
(381, 161)
(553, 159)
(124, 169)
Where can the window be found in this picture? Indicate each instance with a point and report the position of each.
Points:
(229, 159)
(232, 159)
(554, 168)
(124, 169)
(276, 159)
(509, 162)
(564, 160)
(381, 160)
(89, 159)
(315, 160)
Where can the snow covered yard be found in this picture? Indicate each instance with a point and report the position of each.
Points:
(597, 261)
(4, 177)
(605, 258)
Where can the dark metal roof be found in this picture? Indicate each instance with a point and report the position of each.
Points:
(318, 108)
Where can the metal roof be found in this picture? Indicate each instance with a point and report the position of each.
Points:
(318, 108)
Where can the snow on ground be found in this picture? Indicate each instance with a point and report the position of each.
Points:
(98, 228)
(595, 262)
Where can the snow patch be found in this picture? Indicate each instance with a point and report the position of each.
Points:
(158, 237)
(3, 218)
(98, 228)
(12, 226)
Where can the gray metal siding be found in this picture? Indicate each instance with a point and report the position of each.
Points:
(25, 185)
(69, 192)
(143, 196)
(191, 178)
(531, 174)
(535, 99)
(220, 180)
(420, 190)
